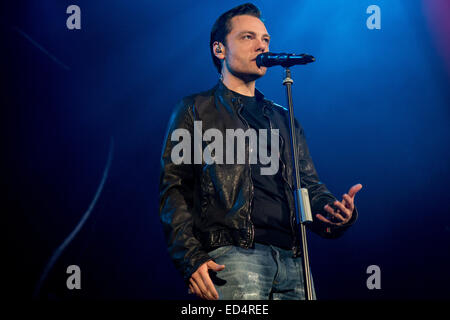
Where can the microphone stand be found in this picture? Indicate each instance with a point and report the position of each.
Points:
(302, 206)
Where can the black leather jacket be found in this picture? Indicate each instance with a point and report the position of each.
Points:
(205, 206)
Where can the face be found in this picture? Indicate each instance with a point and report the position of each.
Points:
(247, 39)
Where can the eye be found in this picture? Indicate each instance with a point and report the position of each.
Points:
(247, 36)
(267, 40)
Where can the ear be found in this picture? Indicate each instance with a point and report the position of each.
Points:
(219, 50)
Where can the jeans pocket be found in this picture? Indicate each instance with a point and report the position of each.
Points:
(218, 252)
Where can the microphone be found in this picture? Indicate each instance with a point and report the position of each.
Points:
(269, 59)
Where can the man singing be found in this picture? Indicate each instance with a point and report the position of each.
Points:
(231, 229)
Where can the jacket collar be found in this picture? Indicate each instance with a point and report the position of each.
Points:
(230, 96)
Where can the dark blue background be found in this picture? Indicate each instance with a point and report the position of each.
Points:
(375, 108)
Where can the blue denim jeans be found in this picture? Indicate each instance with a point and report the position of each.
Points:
(263, 273)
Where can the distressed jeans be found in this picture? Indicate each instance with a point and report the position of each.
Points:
(263, 273)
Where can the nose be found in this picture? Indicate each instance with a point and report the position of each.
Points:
(262, 46)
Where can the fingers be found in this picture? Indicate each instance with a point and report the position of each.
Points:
(205, 288)
(348, 202)
(201, 282)
(353, 190)
(195, 289)
(214, 266)
(347, 212)
(199, 289)
(198, 281)
(211, 290)
(345, 208)
(323, 219)
(331, 211)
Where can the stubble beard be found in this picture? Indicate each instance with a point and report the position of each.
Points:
(246, 76)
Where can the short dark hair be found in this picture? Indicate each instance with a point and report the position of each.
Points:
(222, 27)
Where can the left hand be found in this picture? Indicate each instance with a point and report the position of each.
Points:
(345, 208)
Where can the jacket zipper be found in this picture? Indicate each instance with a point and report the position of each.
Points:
(292, 216)
(291, 210)
(252, 229)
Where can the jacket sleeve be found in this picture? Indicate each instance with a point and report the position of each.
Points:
(319, 195)
(176, 189)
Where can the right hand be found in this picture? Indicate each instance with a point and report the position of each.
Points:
(200, 282)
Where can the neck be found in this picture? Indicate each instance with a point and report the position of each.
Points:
(246, 88)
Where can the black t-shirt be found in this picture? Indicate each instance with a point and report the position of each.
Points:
(270, 212)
